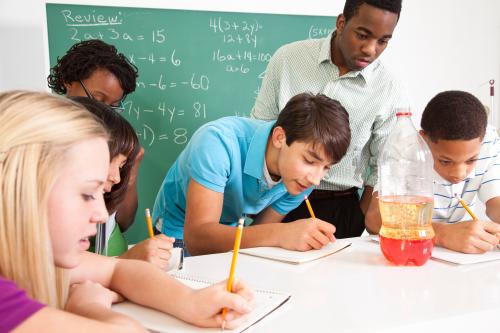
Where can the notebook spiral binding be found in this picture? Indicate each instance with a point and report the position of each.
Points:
(182, 276)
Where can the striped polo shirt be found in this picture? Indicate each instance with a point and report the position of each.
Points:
(483, 182)
(370, 96)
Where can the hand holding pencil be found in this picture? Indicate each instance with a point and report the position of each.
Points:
(302, 235)
(473, 237)
(156, 249)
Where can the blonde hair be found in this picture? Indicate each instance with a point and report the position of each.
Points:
(36, 131)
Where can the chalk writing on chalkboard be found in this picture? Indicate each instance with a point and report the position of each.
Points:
(194, 67)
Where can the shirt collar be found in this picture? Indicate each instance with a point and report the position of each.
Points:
(254, 161)
(325, 56)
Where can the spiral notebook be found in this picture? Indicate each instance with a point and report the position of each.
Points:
(265, 302)
(295, 257)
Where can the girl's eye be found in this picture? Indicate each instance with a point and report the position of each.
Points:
(443, 162)
(88, 197)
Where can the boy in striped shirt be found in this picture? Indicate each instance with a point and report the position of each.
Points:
(466, 156)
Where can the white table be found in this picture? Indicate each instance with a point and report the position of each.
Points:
(357, 290)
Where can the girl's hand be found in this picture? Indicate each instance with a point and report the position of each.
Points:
(207, 305)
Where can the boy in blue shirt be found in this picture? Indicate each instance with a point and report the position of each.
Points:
(466, 156)
(238, 166)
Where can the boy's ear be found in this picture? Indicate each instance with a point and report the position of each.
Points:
(423, 135)
(340, 23)
(278, 137)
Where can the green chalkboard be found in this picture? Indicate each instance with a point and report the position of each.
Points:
(194, 67)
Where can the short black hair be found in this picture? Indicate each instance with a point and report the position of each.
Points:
(317, 119)
(84, 58)
(122, 140)
(454, 115)
(351, 7)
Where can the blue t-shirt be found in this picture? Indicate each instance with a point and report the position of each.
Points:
(225, 156)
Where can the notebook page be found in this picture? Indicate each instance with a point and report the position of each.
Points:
(464, 258)
(265, 303)
(296, 257)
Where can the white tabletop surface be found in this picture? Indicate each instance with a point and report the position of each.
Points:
(357, 290)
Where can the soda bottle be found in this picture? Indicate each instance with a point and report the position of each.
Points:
(406, 195)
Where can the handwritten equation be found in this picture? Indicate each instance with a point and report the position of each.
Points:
(170, 112)
(193, 65)
(148, 135)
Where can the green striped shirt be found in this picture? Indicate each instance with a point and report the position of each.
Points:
(370, 96)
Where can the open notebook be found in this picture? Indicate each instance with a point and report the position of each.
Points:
(295, 257)
(458, 258)
(155, 321)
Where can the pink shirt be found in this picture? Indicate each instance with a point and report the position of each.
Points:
(15, 305)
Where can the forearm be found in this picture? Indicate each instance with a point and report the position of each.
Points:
(373, 219)
(96, 320)
(102, 314)
(145, 284)
(364, 202)
(127, 209)
(440, 232)
(214, 237)
(373, 223)
(493, 209)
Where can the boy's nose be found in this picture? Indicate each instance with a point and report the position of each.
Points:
(459, 173)
(315, 177)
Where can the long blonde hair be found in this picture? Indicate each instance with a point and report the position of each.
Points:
(36, 130)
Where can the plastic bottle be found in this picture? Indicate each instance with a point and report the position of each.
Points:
(406, 195)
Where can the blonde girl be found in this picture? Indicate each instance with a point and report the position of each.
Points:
(54, 162)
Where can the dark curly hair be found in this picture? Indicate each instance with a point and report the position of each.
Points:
(351, 7)
(316, 119)
(122, 140)
(83, 58)
(454, 115)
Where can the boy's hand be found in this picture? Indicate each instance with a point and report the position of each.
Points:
(155, 250)
(306, 234)
(468, 236)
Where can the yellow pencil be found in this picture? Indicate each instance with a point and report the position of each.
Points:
(150, 223)
(309, 207)
(236, 249)
(466, 207)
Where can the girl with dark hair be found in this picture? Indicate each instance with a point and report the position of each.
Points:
(123, 148)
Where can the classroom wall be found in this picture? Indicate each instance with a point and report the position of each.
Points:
(438, 44)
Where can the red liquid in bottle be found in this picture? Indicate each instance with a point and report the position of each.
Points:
(406, 236)
(407, 252)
